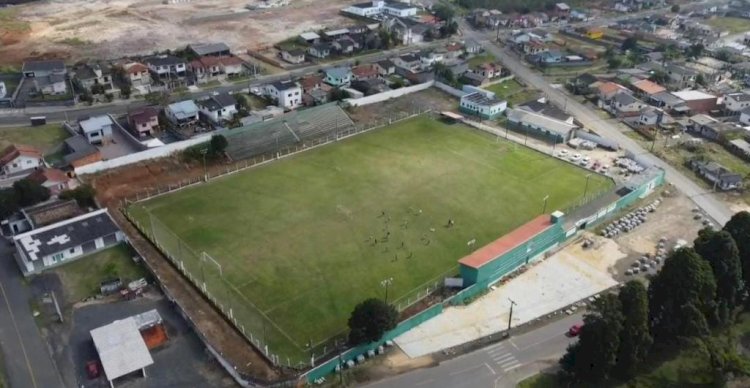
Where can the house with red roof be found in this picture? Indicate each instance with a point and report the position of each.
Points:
(137, 74)
(144, 122)
(211, 68)
(53, 179)
(364, 72)
(17, 159)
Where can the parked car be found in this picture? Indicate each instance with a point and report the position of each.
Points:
(575, 157)
(92, 369)
(575, 330)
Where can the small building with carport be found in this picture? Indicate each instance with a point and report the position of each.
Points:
(540, 125)
(121, 349)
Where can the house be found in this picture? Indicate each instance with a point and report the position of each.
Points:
(287, 94)
(740, 147)
(218, 108)
(670, 103)
(486, 70)
(310, 83)
(168, 69)
(647, 88)
(50, 85)
(736, 102)
(533, 47)
(65, 241)
(409, 62)
(582, 83)
(562, 10)
(338, 76)
(310, 37)
(650, 116)
(376, 8)
(624, 104)
(709, 127)
(745, 116)
(320, 50)
(541, 125)
(607, 90)
(680, 76)
(385, 67)
(542, 107)
(697, 101)
(79, 152)
(89, 75)
(211, 68)
(39, 69)
(472, 47)
(718, 175)
(17, 159)
(39, 215)
(316, 96)
(482, 104)
(370, 86)
(53, 179)
(429, 58)
(458, 69)
(137, 74)
(144, 122)
(97, 129)
(210, 49)
(547, 57)
(183, 113)
(294, 56)
(364, 72)
(474, 79)
(345, 45)
(406, 31)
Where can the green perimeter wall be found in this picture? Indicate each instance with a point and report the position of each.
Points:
(496, 269)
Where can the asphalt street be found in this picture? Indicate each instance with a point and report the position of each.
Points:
(591, 120)
(27, 362)
(500, 365)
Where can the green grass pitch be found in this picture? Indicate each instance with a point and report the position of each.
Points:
(296, 237)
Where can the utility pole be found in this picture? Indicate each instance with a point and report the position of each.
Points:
(586, 188)
(205, 170)
(510, 316)
(544, 209)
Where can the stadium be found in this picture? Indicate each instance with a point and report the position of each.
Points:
(286, 249)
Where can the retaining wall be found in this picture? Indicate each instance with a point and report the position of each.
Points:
(380, 97)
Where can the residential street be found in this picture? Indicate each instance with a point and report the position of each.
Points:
(27, 360)
(500, 365)
(591, 120)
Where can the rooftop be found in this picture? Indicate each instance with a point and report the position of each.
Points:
(692, 95)
(52, 66)
(209, 48)
(52, 212)
(164, 60)
(95, 123)
(183, 109)
(309, 36)
(15, 150)
(648, 87)
(121, 348)
(482, 99)
(506, 243)
(742, 145)
(540, 121)
(284, 85)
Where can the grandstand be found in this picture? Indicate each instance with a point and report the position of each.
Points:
(291, 129)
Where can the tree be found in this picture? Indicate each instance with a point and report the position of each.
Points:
(635, 339)
(217, 145)
(630, 43)
(659, 77)
(719, 249)
(675, 8)
(444, 11)
(739, 227)
(700, 79)
(385, 38)
(685, 279)
(30, 192)
(158, 98)
(592, 358)
(97, 89)
(723, 55)
(8, 202)
(337, 94)
(84, 195)
(125, 91)
(614, 62)
(695, 51)
(369, 320)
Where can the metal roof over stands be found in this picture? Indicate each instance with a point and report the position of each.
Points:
(121, 348)
(506, 243)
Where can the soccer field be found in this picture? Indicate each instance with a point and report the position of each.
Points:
(303, 239)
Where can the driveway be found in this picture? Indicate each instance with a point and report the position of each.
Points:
(25, 354)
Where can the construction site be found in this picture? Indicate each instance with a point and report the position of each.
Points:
(78, 29)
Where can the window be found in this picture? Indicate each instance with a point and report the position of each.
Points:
(56, 257)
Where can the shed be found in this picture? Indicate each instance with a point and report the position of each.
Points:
(121, 349)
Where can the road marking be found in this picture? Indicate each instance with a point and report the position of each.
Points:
(497, 351)
(511, 366)
(458, 372)
(18, 333)
(505, 363)
(503, 358)
(490, 368)
(495, 346)
(424, 382)
(541, 342)
(513, 344)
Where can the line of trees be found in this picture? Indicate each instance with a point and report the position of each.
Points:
(23, 193)
(698, 289)
(521, 6)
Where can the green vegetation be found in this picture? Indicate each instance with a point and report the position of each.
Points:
(512, 91)
(731, 24)
(45, 137)
(483, 58)
(296, 237)
(542, 380)
(9, 21)
(81, 279)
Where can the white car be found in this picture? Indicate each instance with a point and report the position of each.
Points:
(583, 163)
(586, 159)
(575, 157)
(562, 152)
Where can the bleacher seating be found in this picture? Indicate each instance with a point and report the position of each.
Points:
(273, 135)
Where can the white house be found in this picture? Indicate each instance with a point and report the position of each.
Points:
(167, 68)
(745, 116)
(736, 102)
(287, 94)
(53, 84)
(183, 113)
(19, 158)
(218, 108)
(65, 241)
(97, 129)
(379, 7)
(483, 104)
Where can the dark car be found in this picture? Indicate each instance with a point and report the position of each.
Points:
(92, 369)
(575, 330)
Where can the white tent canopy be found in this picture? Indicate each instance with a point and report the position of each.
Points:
(121, 348)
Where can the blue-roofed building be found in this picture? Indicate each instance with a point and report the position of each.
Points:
(183, 113)
(338, 76)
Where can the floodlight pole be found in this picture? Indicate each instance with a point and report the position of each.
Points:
(205, 170)
(510, 316)
(544, 209)
(586, 188)
(386, 283)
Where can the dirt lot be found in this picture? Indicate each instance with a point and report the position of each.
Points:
(431, 98)
(77, 29)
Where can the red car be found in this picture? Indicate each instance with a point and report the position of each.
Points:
(92, 369)
(575, 330)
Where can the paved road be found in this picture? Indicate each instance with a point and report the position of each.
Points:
(590, 119)
(27, 360)
(500, 365)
